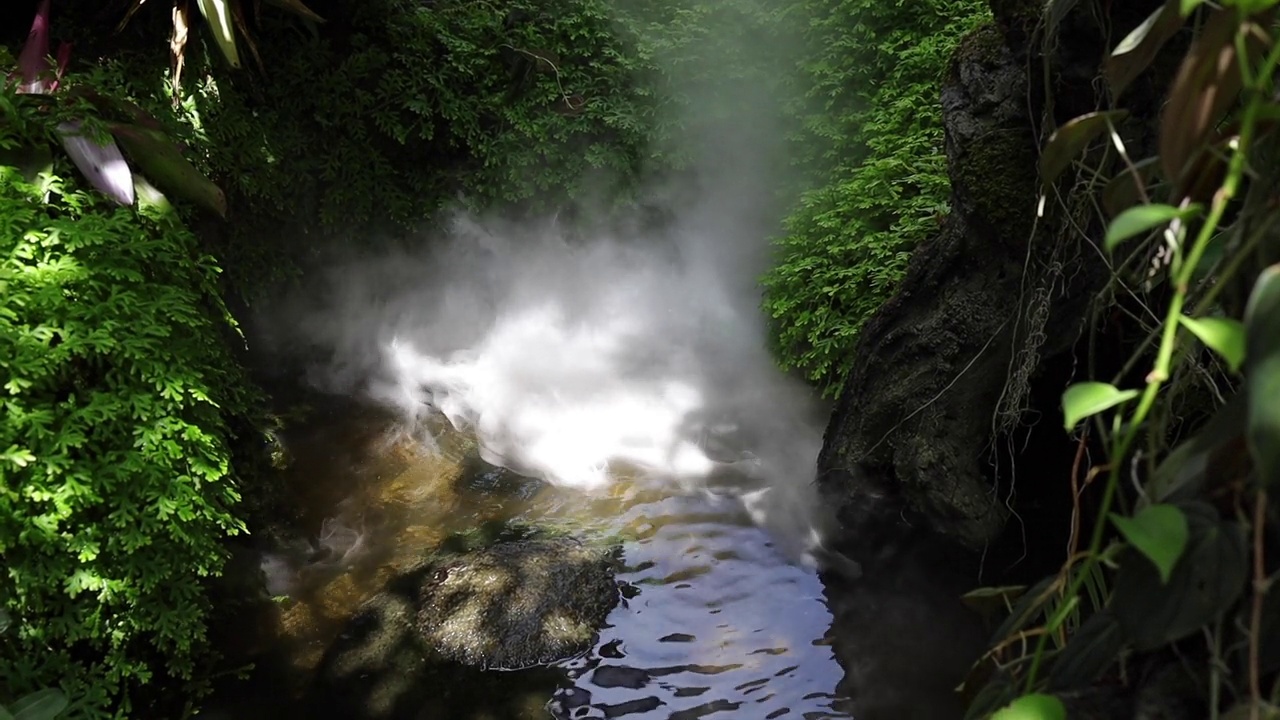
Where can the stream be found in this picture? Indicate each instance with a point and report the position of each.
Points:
(715, 621)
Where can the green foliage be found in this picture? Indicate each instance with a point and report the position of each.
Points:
(872, 145)
(1187, 573)
(115, 482)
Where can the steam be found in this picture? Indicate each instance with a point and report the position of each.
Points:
(574, 353)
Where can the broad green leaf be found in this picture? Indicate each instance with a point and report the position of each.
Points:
(1222, 335)
(1140, 219)
(218, 14)
(1262, 371)
(1071, 139)
(1086, 399)
(5, 714)
(44, 704)
(1157, 531)
(1036, 706)
(162, 162)
(1207, 582)
(1186, 7)
(1091, 650)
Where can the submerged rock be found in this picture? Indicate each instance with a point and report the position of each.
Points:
(517, 603)
(514, 604)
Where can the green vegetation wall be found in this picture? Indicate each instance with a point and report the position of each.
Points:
(124, 405)
(872, 148)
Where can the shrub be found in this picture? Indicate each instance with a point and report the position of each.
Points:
(872, 144)
(115, 482)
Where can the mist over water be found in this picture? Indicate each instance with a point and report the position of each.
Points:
(572, 357)
(575, 350)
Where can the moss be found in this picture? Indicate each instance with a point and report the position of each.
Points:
(983, 45)
(1016, 18)
(998, 174)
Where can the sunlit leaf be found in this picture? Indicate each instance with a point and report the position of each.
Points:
(1141, 219)
(44, 704)
(1186, 7)
(1071, 139)
(1036, 706)
(162, 162)
(1086, 399)
(1139, 47)
(1262, 370)
(1222, 335)
(218, 14)
(1157, 531)
(178, 42)
(102, 164)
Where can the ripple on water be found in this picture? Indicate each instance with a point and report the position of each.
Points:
(719, 625)
(714, 621)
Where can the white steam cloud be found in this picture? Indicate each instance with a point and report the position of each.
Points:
(572, 353)
(570, 358)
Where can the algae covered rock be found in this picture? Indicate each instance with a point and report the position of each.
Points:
(518, 602)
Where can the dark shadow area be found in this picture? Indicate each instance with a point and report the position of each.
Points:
(902, 634)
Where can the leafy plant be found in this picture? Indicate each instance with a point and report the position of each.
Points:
(115, 483)
(872, 146)
(1185, 566)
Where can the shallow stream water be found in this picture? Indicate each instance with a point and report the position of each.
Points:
(714, 621)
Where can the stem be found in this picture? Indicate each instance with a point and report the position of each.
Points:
(1259, 591)
(1165, 359)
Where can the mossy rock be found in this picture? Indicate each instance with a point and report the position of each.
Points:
(517, 603)
(497, 598)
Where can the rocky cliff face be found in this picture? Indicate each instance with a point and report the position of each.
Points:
(949, 425)
(957, 377)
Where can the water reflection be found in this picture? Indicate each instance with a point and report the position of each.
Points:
(713, 622)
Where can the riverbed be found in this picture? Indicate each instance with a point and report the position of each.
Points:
(715, 621)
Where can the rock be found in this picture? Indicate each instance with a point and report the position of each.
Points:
(514, 604)
(517, 603)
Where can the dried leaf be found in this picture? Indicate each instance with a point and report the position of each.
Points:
(1139, 47)
(238, 13)
(162, 162)
(178, 44)
(102, 164)
(1071, 139)
(1205, 87)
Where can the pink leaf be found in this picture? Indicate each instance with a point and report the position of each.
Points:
(33, 63)
(102, 164)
